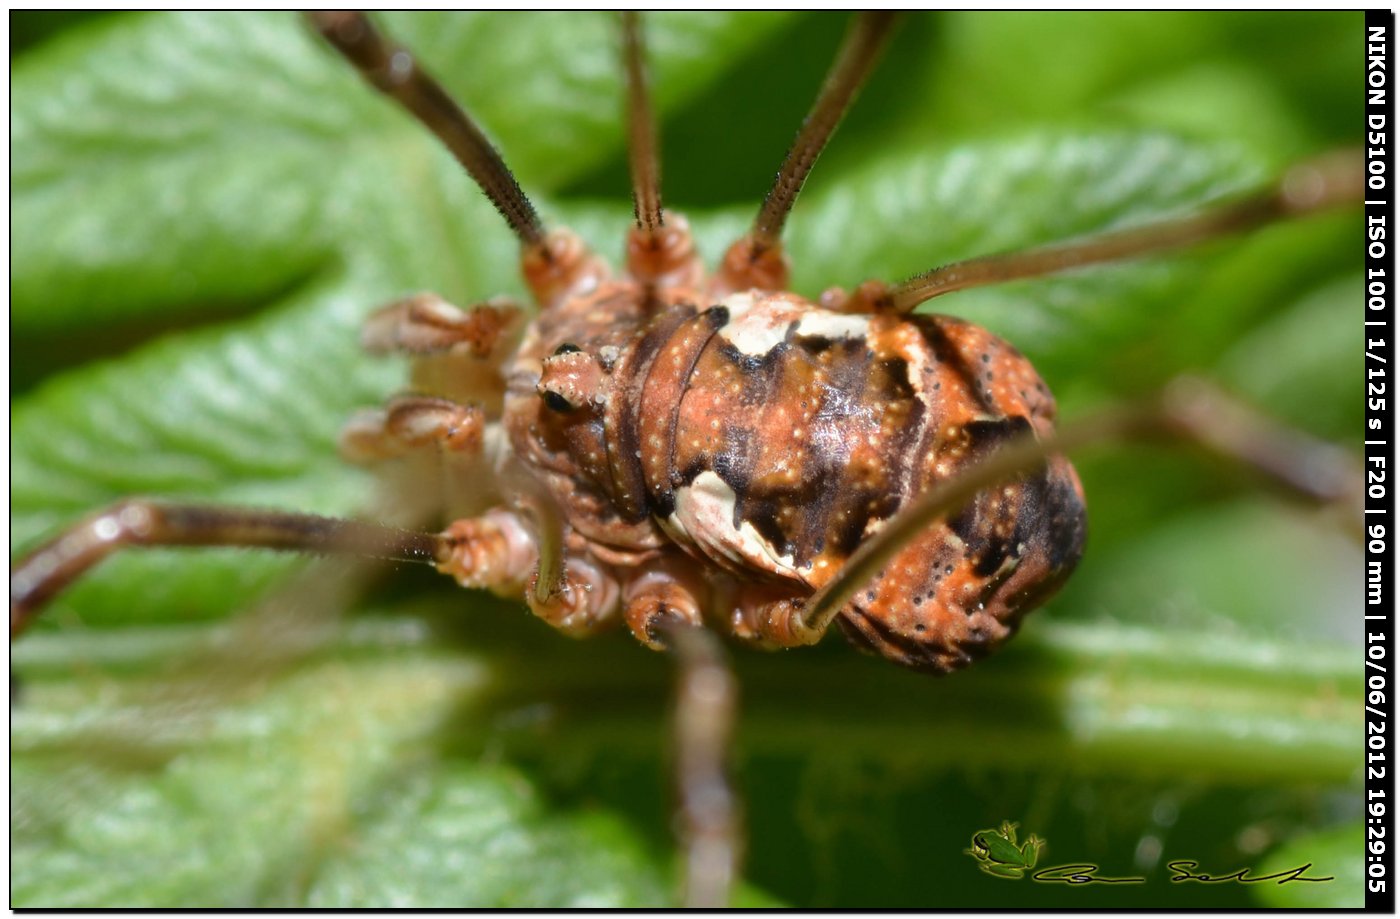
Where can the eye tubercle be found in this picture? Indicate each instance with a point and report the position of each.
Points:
(570, 379)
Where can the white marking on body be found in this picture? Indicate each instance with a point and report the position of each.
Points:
(822, 324)
(915, 356)
(753, 331)
(738, 305)
(758, 323)
(704, 515)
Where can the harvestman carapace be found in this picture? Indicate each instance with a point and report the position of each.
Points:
(690, 452)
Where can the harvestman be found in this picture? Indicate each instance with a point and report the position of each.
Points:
(626, 507)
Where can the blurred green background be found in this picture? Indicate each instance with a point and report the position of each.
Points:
(204, 207)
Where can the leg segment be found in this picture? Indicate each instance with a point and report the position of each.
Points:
(670, 590)
(660, 250)
(494, 551)
(772, 618)
(409, 423)
(553, 264)
(706, 701)
(663, 610)
(1312, 186)
(497, 551)
(583, 600)
(756, 260)
(426, 324)
(641, 129)
(393, 71)
(666, 257)
(561, 266)
(52, 567)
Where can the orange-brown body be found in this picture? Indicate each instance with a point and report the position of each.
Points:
(766, 437)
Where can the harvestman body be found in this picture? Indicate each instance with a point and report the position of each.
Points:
(683, 449)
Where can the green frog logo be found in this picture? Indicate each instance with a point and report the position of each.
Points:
(999, 854)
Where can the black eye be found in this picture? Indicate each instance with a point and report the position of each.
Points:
(567, 348)
(556, 402)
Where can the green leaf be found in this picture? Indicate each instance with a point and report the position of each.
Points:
(1334, 853)
(343, 774)
(375, 763)
(506, 851)
(208, 205)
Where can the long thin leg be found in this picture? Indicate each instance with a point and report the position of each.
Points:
(641, 142)
(660, 249)
(554, 264)
(706, 702)
(1314, 185)
(1189, 410)
(393, 71)
(756, 260)
(55, 565)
